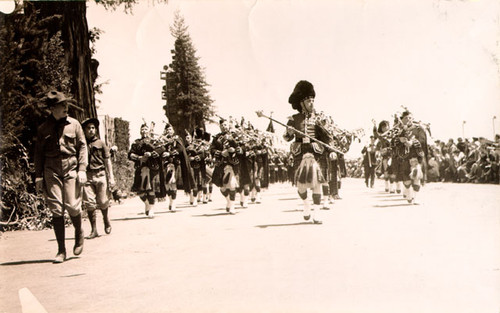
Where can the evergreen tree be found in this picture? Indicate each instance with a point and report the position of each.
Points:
(191, 105)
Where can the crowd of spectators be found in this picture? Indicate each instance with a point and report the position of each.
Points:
(460, 161)
(464, 161)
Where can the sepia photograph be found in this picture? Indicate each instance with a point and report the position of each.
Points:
(250, 156)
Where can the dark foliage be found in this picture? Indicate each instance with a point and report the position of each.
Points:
(123, 169)
(31, 63)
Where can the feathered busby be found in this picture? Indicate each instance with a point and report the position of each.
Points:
(302, 90)
(198, 133)
(381, 125)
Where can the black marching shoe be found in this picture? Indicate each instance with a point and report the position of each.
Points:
(79, 235)
(79, 239)
(107, 224)
(107, 229)
(92, 219)
(93, 234)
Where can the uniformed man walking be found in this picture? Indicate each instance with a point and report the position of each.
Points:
(99, 173)
(60, 164)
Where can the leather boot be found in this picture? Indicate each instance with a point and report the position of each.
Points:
(107, 224)
(59, 230)
(79, 236)
(93, 224)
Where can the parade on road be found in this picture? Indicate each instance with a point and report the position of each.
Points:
(207, 211)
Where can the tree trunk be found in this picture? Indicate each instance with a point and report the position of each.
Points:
(75, 35)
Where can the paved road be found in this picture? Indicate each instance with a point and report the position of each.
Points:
(373, 253)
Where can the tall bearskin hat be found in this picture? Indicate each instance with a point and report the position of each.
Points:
(302, 90)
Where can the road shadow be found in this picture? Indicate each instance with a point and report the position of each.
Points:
(393, 199)
(392, 205)
(66, 238)
(289, 224)
(34, 261)
(392, 195)
(166, 212)
(73, 275)
(131, 218)
(296, 210)
(285, 199)
(215, 214)
(236, 208)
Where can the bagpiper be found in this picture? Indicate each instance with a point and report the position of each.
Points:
(259, 169)
(225, 175)
(197, 152)
(177, 172)
(242, 149)
(411, 144)
(147, 163)
(307, 153)
(383, 147)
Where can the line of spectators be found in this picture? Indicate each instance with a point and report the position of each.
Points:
(461, 161)
(464, 161)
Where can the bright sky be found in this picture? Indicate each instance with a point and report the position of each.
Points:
(440, 58)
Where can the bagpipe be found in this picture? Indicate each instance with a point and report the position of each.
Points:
(340, 140)
(414, 132)
(248, 138)
(404, 130)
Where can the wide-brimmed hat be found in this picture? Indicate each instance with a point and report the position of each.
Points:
(302, 90)
(54, 97)
(91, 120)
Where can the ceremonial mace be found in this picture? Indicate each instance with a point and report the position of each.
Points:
(260, 114)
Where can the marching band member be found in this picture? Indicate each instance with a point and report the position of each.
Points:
(226, 170)
(244, 165)
(307, 154)
(195, 156)
(384, 148)
(196, 149)
(398, 151)
(177, 172)
(260, 170)
(204, 143)
(147, 169)
(415, 159)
